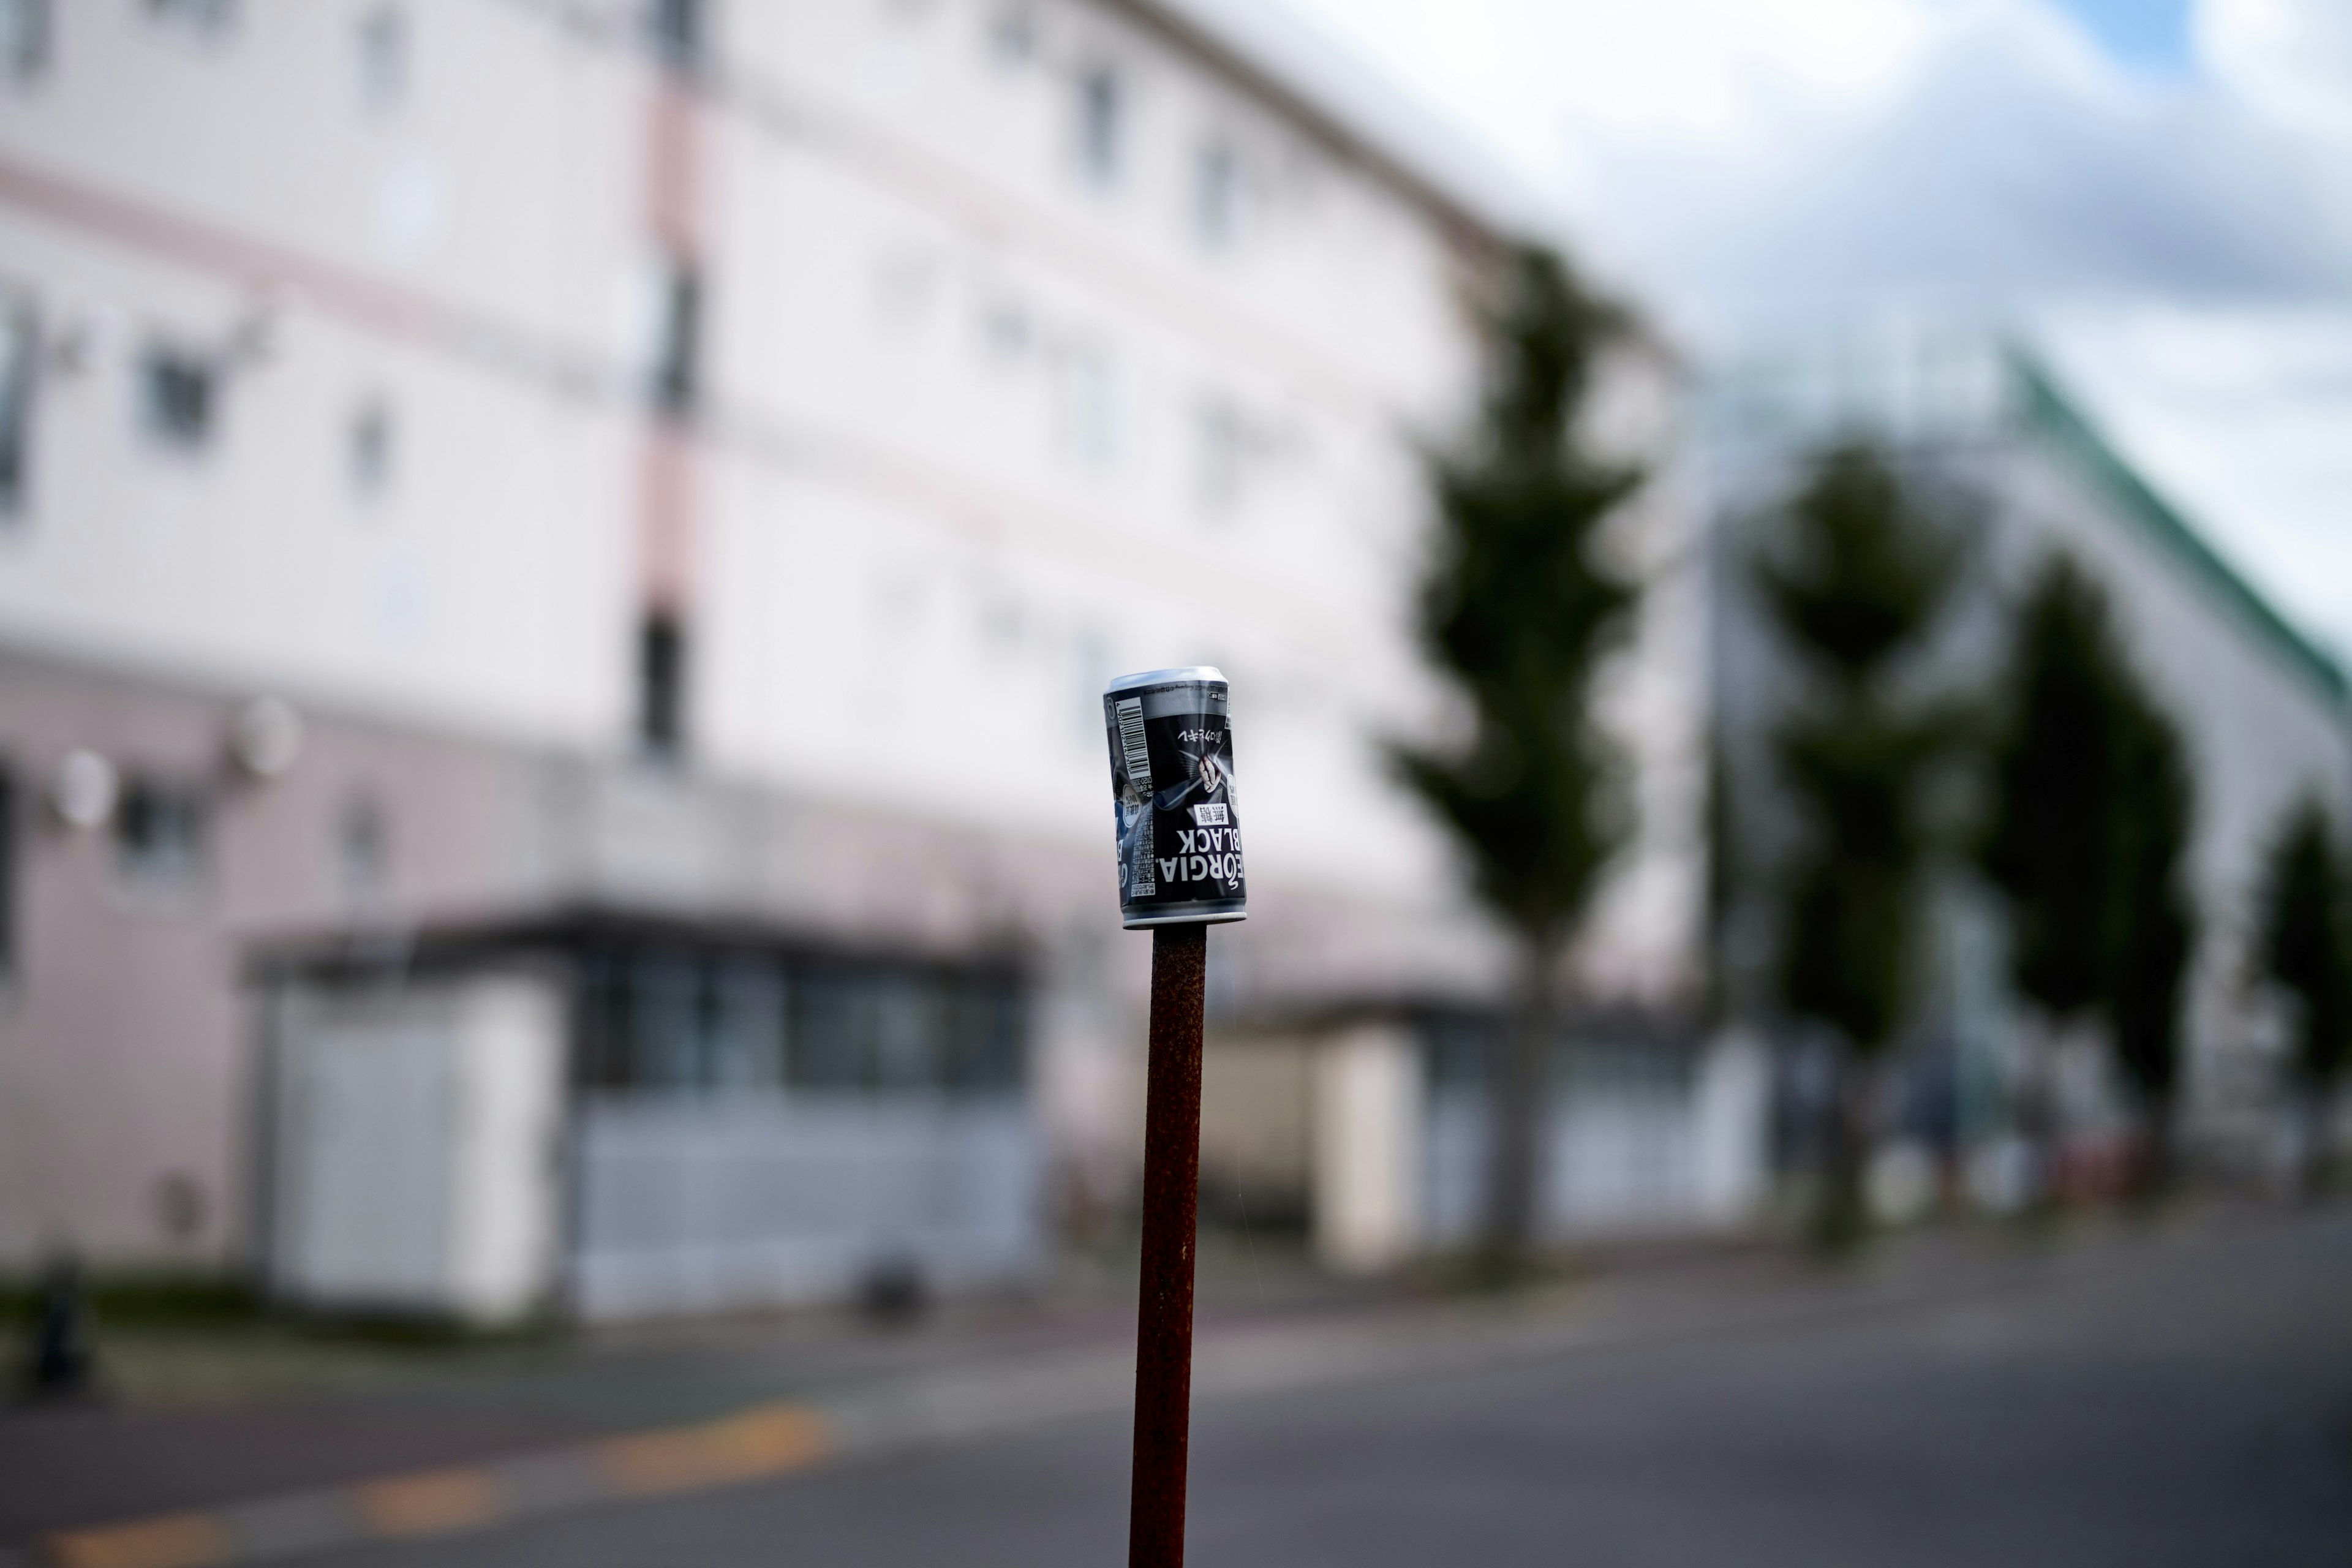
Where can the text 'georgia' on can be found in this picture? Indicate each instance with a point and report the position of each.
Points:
(1173, 797)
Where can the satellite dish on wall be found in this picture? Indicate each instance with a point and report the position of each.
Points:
(267, 738)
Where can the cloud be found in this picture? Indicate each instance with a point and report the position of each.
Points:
(2181, 238)
(2289, 58)
(2014, 163)
(1542, 82)
(2244, 416)
(1727, 156)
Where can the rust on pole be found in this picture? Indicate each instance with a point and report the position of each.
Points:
(1163, 1320)
(1179, 831)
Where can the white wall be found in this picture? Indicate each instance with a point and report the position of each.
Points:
(414, 1150)
(914, 296)
(235, 197)
(926, 527)
(511, 1164)
(2260, 737)
(910, 564)
(1368, 1134)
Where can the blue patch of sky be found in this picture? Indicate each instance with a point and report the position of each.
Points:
(2146, 35)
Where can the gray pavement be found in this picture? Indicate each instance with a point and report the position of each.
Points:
(2183, 1397)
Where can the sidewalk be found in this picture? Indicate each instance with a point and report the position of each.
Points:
(515, 1433)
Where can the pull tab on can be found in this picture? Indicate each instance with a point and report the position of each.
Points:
(1172, 796)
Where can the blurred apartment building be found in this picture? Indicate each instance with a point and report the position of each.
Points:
(557, 568)
(2262, 713)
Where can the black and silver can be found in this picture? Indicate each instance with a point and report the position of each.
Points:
(1172, 794)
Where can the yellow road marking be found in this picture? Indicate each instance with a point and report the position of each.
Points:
(763, 1441)
(174, 1540)
(429, 1503)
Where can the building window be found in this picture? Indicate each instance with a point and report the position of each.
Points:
(832, 1033)
(676, 356)
(739, 1024)
(381, 38)
(1102, 129)
(675, 29)
(1224, 453)
(1091, 415)
(670, 1022)
(19, 338)
(177, 398)
(900, 1030)
(980, 1038)
(1005, 330)
(195, 18)
(159, 832)
(369, 450)
(1460, 1057)
(1012, 35)
(675, 1019)
(1238, 451)
(362, 853)
(1217, 193)
(906, 284)
(661, 685)
(9, 850)
(24, 38)
(180, 1206)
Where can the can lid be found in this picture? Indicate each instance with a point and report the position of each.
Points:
(1164, 676)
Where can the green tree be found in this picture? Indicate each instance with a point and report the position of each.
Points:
(2151, 923)
(1855, 577)
(2305, 949)
(2093, 812)
(2054, 776)
(1726, 870)
(1517, 609)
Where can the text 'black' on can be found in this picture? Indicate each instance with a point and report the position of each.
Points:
(1173, 792)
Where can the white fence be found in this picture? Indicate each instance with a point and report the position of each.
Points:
(690, 1205)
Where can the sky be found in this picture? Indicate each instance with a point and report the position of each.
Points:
(2156, 193)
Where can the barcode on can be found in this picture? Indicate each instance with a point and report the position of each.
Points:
(1141, 883)
(1130, 741)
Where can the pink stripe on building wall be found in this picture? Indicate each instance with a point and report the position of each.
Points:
(665, 495)
(666, 532)
(673, 135)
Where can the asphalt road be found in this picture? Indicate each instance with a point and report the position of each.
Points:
(2186, 1401)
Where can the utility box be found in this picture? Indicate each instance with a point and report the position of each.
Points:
(412, 1146)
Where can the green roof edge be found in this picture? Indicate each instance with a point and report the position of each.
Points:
(2049, 414)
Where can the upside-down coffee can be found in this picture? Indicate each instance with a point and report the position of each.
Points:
(1173, 797)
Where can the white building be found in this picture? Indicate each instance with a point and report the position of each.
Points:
(2263, 714)
(691, 468)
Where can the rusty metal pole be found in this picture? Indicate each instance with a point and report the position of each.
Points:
(1171, 1186)
(1179, 872)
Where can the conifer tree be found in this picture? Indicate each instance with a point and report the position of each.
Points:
(2093, 813)
(1519, 609)
(2151, 921)
(1855, 577)
(2306, 950)
(2054, 776)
